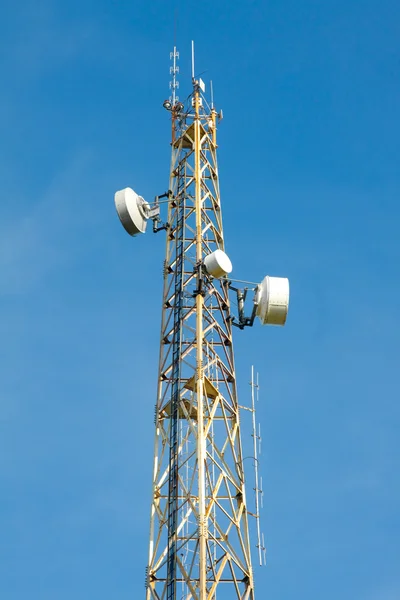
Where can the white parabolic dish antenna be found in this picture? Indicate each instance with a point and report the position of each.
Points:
(273, 300)
(132, 211)
(218, 264)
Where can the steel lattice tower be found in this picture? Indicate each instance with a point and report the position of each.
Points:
(199, 538)
(199, 535)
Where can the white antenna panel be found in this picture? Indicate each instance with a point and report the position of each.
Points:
(218, 264)
(200, 101)
(132, 211)
(273, 300)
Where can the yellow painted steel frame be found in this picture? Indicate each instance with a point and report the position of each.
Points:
(211, 538)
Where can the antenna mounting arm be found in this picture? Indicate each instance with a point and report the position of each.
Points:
(154, 212)
(241, 295)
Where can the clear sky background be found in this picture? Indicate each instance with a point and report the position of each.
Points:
(309, 162)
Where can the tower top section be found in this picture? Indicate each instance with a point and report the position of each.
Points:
(195, 106)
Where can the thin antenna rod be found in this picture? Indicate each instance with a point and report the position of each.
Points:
(193, 61)
(212, 94)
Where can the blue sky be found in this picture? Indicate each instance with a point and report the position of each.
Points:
(309, 164)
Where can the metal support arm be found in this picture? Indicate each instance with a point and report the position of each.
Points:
(154, 213)
(241, 295)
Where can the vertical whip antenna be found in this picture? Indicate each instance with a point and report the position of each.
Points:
(192, 61)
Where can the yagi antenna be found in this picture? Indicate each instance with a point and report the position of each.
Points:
(258, 491)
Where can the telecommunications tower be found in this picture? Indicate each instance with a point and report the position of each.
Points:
(199, 535)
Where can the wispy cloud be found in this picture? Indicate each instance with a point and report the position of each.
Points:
(34, 242)
(44, 39)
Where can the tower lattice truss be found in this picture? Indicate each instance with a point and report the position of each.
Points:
(199, 538)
